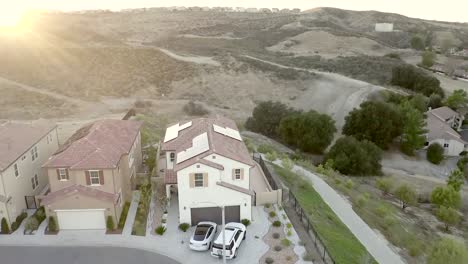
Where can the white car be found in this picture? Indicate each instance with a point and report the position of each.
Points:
(202, 237)
(234, 235)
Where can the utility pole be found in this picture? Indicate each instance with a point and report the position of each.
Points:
(224, 235)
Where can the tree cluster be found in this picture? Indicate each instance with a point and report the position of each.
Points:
(412, 78)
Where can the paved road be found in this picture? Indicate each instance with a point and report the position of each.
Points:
(79, 255)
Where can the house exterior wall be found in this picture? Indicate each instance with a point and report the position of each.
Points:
(454, 147)
(210, 196)
(384, 27)
(227, 175)
(17, 187)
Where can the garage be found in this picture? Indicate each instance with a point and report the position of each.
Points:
(81, 219)
(214, 214)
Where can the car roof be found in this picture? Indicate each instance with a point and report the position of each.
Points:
(229, 236)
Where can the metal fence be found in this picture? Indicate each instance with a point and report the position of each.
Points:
(288, 199)
(258, 158)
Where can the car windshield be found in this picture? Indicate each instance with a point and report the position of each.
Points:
(200, 232)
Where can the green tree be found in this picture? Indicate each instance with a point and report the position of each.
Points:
(377, 122)
(428, 58)
(456, 180)
(417, 43)
(435, 101)
(309, 131)
(5, 228)
(413, 137)
(385, 185)
(458, 99)
(435, 153)
(353, 157)
(446, 196)
(267, 116)
(448, 215)
(412, 78)
(420, 102)
(407, 195)
(448, 250)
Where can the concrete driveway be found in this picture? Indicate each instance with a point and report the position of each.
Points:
(79, 255)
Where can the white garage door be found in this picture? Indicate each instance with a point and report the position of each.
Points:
(81, 219)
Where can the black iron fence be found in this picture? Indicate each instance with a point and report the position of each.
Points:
(288, 199)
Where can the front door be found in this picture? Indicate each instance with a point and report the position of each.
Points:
(30, 202)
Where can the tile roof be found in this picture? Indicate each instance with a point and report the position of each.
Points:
(444, 112)
(17, 138)
(99, 145)
(82, 190)
(439, 129)
(236, 188)
(218, 143)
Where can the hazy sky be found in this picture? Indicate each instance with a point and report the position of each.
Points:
(447, 10)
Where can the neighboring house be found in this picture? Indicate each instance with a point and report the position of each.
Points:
(208, 166)
(92, 174)
(442, 125)
(23, 150)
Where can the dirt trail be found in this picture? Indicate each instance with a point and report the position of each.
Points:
(193, 59)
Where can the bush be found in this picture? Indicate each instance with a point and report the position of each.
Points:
(448, 216)
(381, 211)
(160, 230)
(195, 109)
(5, 228)
(110, 223)
(446, 196)
(184, 227)
(385, 185)
(31, 224)
(52, 225)
(269, 260)
(349, 184)
(21, 217)
(14, 226)
(277, 223)
(264, 148)
(276, 235)
(361, 201)
(448, 250)
(267, 205)
(461, 163)
(287, 163)
(289, 225)
(278, 248)
(389, 221)
(412, 78)
(289, 233)
(40, 214)
(272, 214)
(286, 242)
(435, 153)
(407, 195)
(271, 156)
(123, 215)
(266, 117)
(353, 157)
(245, 222)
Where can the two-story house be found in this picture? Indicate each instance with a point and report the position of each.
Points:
(209, 167)
(23, 150)
(443, 125)
(91, 175)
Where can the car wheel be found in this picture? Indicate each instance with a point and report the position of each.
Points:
(245, 235)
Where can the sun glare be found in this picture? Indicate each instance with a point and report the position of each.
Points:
(10, 18)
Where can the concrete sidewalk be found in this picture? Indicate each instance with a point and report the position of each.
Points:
(376, 245)
(127, 230)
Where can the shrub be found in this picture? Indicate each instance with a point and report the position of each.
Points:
(272, 214)
(123, 215)
(184, 227)
(271, 156)
(110, 223)
(349, 184)
(267, 205)
(195, 109)
(286, 242)
(269, 260)
(5, 228)
(385, 185)
(447, 250)
(407, 195)
(52, 226)
(289, 233)
(31, 224)
(381, 210)
(266, 117)
(245, 222)
(448, 215)
(264, 148)
(389, 221)
(287, 163)
(456, 180)
(276, 235)
(277, 223)
(361, 201)
(289, 225)
(278, 248)
(40, 214)
(446, 196)
(412, 78)
(435, 153)
(14, 226)
(21, 217)
(160, 230)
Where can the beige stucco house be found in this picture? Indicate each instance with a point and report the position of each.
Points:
(23, 150)
(91, 175)
(206, 167)
(443, 125)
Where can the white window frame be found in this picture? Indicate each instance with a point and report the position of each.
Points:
(446, 145)
(34, 154)
(195, 180)
(16, 169)
(237, 174)
(63, 174)
(34, 182)
(91, 177)
(172, 156)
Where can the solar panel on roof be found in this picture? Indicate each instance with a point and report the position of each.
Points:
(227, 132)
(199, 145)
(172, 132)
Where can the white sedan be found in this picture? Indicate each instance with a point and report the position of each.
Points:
(202, 237)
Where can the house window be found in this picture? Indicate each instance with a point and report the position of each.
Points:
(237, 174)
(172, 156)
(49, 138)
(16, 170)
(34, 153)
(446, 145)
(94, 177)
(198, 179)
(34, 182)
(63, 174)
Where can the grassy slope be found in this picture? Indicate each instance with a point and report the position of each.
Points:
(342, 244)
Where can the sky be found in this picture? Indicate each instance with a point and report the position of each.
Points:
(447, 10)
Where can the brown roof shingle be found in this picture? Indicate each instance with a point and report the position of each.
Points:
(82, 190)
(99, 145)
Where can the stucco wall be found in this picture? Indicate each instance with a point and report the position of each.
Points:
(453, 149)
(21, 186)
(212, 195)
